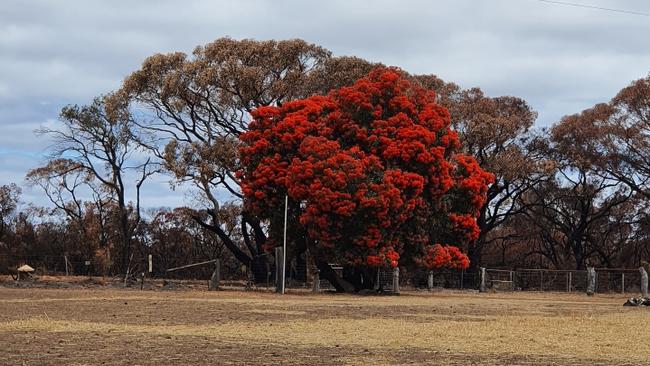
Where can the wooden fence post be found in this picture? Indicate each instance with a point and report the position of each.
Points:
(430, 281)
(316, 276)
(569, 286)
(216, 276)
(279, 265)
(591, 281)
(482, 280)
(644, 283)
(396, 280)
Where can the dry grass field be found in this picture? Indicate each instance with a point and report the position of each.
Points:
(132, 327)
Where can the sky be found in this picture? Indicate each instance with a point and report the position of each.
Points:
(560, 58)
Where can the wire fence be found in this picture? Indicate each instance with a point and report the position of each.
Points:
(301, 274)
(49, 264)
(607, 280)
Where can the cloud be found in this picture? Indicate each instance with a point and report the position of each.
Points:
(561, 59)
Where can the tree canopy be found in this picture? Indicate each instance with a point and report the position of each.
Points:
(373, 173)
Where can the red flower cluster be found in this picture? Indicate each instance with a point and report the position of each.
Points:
(437, 256)
(372, 171)
(386, 257)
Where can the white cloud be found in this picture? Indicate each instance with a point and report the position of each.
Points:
(561, 59)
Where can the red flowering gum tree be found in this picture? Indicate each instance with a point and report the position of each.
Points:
(372, 174)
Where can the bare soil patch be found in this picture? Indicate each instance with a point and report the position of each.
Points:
(105, 326)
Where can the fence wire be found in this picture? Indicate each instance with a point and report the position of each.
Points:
(302, 274)
(607, 280)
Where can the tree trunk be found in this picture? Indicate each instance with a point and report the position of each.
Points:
(260, 268)
(362, 278)
(353, 280)
(474, 253)
(326, 272)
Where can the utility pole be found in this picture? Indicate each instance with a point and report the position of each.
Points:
(284, 247)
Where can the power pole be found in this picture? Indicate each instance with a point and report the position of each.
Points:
(284, 247)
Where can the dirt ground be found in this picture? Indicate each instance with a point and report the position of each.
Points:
(108, 326)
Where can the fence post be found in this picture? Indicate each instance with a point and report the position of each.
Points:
(216, 276)
(430, 281)
(462, 279)
(65, 258)
(569, 287)
(541, 280)
(377, 279)
(396, 280)
(644, 283)
(279, 265)
(591, 281)
(622, 283)
(316, 278)
(482, 280)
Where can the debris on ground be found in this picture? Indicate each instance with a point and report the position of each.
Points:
(637, 302)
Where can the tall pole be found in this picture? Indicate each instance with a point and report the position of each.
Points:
(284, 247)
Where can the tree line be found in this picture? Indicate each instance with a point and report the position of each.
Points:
(568, 196)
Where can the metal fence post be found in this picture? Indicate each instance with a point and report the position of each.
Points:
(396, 280)
(644, 282)
(482, 279)
(591, 281)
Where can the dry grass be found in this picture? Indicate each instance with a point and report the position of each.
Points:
(256, 328)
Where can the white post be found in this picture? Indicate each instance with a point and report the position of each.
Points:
(65, 258)
(591, 281)
(216, 276)
(284, 247)
(150, 263)
(377, 278)
(430, 281)
(396, 280)
(316, 284)
(482, 280)
(644, 283)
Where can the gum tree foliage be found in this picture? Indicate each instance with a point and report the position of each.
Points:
(497, 131)
(64, 182)
(95, 147)
(9, 195)
(194, 107)
(201, 104)
(374, 175)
